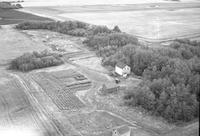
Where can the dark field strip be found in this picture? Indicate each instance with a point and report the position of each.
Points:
(11, 16)
(63, 99)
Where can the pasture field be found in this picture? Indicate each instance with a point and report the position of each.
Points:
(15, 108)
(150, 25)
(61, 43)
(14, 43)
(10, 16)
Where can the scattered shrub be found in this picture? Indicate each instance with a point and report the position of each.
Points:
(74, 28)
(116, 29)
(35, 60)
(78, 32)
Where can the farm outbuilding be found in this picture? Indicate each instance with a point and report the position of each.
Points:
(122, 69)
(109, 88)
(121, 131)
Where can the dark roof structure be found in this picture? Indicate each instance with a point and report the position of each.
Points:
(120, 65)
(123, 130)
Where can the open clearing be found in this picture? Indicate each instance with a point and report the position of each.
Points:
(10, 16)
(95, 123)
(14, 43)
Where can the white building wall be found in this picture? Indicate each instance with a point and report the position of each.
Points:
(118, 70)
(127, 134)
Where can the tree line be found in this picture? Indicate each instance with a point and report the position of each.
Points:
(35, 60)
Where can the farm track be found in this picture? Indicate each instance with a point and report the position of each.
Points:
(42, 114)
(83, 67)
(151, 41)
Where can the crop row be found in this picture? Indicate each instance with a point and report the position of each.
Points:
(64, 99)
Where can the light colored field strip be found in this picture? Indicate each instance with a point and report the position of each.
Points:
(133, 123)
(149, 40)
(43, 115)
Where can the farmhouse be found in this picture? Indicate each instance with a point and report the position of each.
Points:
(121, 131)
(122, 69)
(109, 88)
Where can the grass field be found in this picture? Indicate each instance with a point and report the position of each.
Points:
(10, 16)
(150, 24)
(14, 43)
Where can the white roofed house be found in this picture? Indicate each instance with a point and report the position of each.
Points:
(122, 69)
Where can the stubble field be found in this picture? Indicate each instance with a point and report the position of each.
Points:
(150, 25)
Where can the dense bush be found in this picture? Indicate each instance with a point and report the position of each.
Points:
(35, 60)
(112, 39)
(75, 28)
(171, 88)
(116, 29)
(100, 29)
(68, 27)
(173, 102)
(78, 32)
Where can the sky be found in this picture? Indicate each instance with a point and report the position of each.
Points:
(86, 2)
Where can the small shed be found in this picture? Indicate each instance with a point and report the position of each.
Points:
(122, 69)
(108, 89)
(121, 131)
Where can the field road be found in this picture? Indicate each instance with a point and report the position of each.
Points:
(43, 115)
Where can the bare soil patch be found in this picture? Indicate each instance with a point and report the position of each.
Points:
(61, 88)
(95, 123)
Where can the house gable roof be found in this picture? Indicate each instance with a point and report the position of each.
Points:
(121, 65)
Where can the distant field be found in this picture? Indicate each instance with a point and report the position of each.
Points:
(161, 23)
(150, 25)
(10, 16)
(93, 2)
